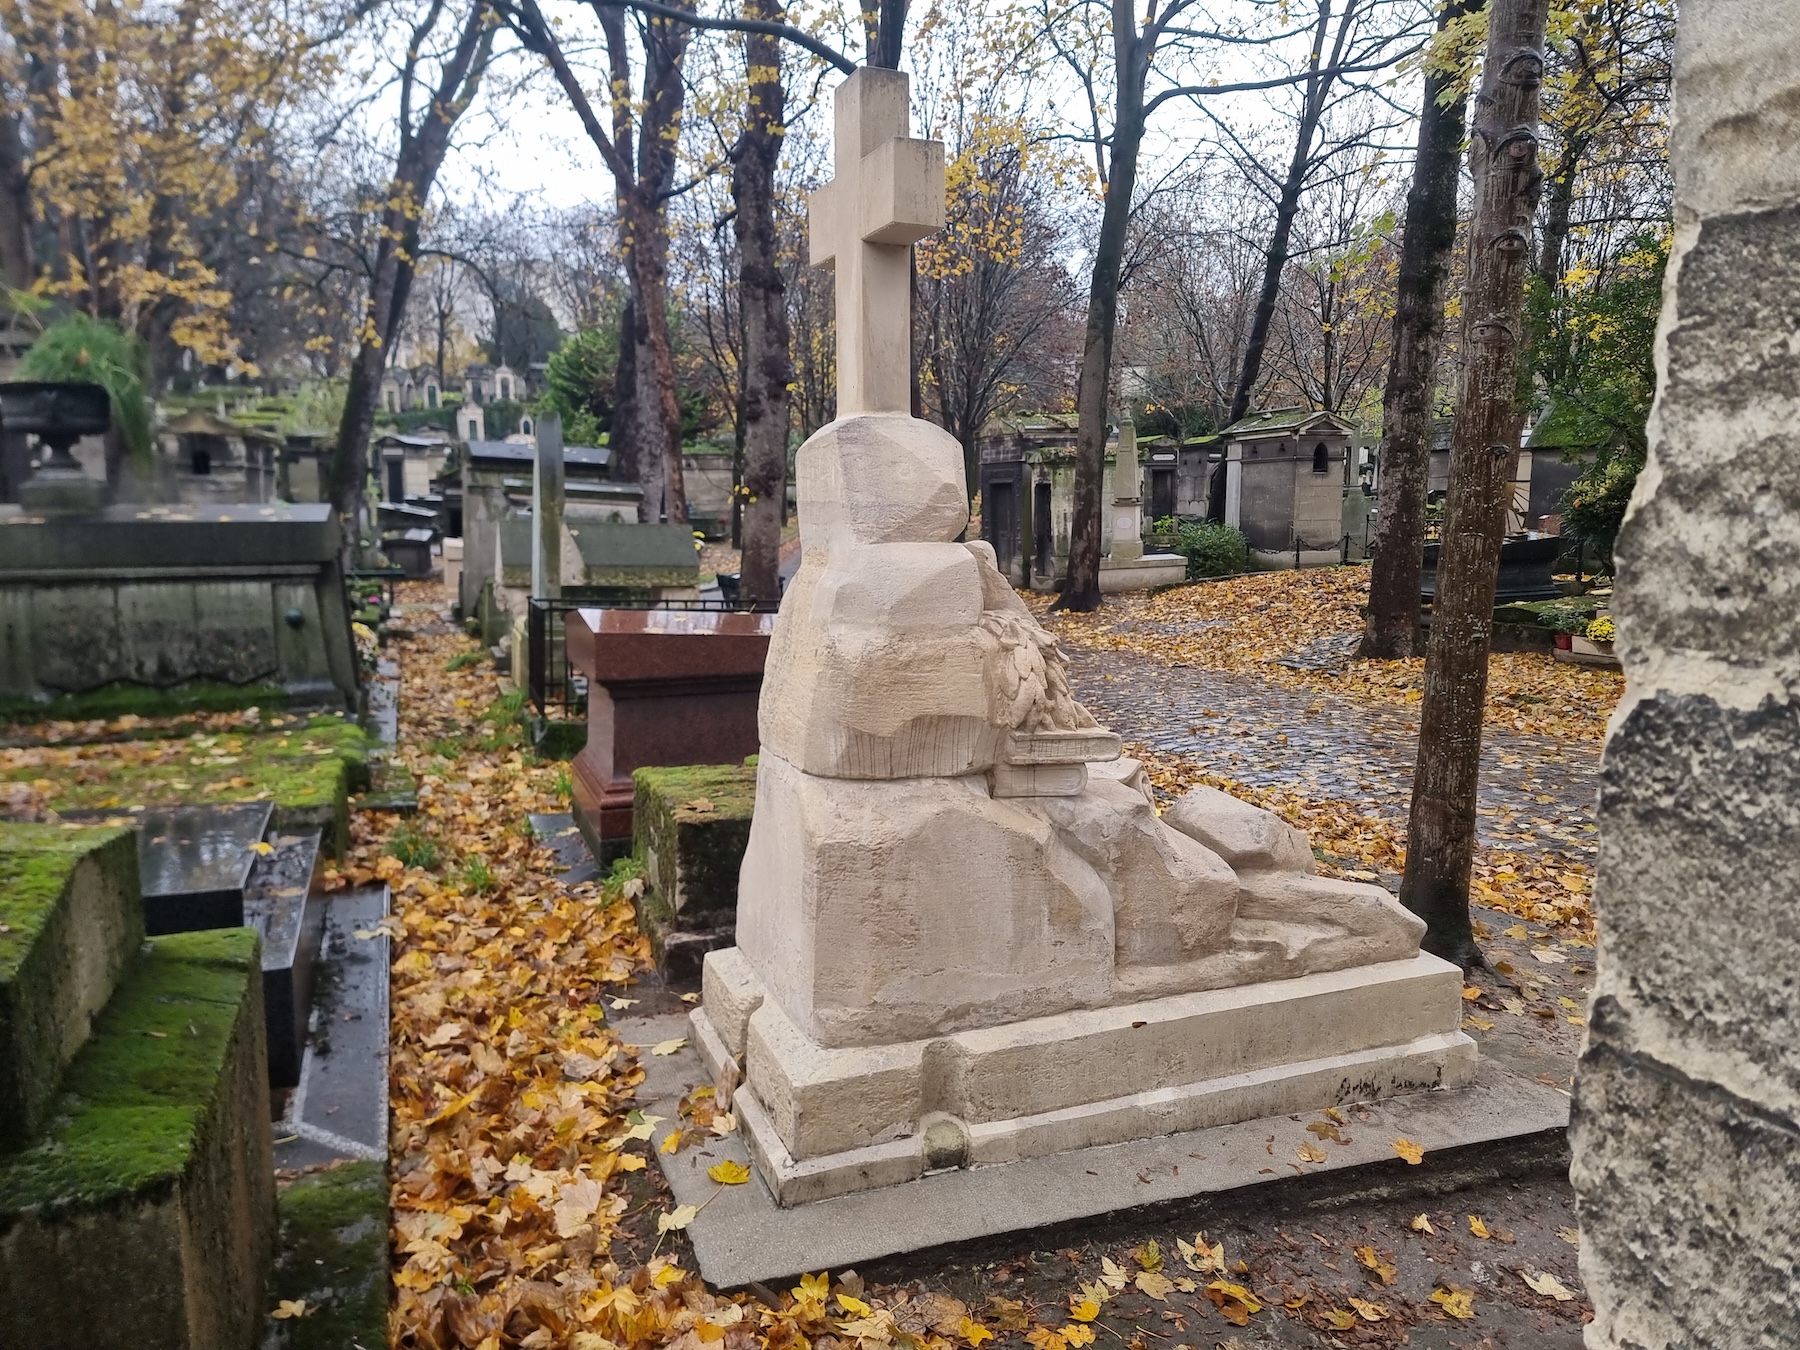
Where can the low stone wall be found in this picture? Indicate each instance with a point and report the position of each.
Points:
(690, 828)
(145, 1218)
(70, 924)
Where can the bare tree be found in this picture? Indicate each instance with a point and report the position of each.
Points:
(447, 54)
(639, 150)
(1440, 838)
(990, 291)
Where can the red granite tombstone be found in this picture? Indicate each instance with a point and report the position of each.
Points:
(664, 687)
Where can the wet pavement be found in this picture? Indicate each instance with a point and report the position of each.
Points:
(1535, 791)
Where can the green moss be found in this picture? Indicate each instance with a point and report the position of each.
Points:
(731, 788)
(311, 766)
(332, 1254)
(134, 1098)
(119, 700)
(35, 863)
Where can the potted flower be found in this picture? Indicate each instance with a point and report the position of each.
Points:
(1597, 640)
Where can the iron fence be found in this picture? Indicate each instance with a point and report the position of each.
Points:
(552, 687)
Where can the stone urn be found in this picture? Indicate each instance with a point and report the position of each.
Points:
(58, 414)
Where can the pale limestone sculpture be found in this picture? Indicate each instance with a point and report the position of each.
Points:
(956, 893)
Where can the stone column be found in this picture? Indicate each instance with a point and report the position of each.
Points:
(1686, 1126)
(547, 509)
(1128, 502)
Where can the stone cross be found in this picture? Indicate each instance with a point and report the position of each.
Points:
(888, 195)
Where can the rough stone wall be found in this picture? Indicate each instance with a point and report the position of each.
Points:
(1686, 1125)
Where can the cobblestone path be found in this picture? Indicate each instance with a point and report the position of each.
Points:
(1536, 792)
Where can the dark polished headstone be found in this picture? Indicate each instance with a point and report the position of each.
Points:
(195, 861)
(281, 904)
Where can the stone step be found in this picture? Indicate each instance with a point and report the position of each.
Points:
(339, 1108)
(288, 914)
(143, 1216)
(70, 924)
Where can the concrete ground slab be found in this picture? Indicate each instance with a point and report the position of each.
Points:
(742, 1236)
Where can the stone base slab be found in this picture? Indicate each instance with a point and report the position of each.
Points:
(1501, 1123)
(827, 1122)
(1140, 573)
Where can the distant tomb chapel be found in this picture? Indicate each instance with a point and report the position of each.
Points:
(1286, 485)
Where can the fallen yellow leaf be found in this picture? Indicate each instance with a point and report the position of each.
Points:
(1458, 1303)
(668, 1047)
(680, 1217)
(1370, 1312)
(731, 1173)
(1410, 1151)
(290, 1307)
(972, 1332)
(1478, 1228)
(1422, 1224)
(1548, 1285)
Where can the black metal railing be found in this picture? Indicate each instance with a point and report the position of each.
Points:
(555, 689)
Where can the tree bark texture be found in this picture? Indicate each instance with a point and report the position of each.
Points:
(1440, 842)
(1131, 54)
(17, 266)
(623, 437)
(423, 143)
(1426, 242)
(762, 292)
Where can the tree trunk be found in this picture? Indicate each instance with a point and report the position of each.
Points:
(1427, 239)
(762, 292)
(622, 429)
(1440, 842)
(1081, 592)
(17, 266)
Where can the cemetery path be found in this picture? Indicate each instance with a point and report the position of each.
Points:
(526, 1209)
(1536, 791)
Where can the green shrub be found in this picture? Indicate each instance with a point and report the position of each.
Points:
(463, 660)
(477, 876)
(1212, 549)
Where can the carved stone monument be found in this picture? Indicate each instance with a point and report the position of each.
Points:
(964, 933)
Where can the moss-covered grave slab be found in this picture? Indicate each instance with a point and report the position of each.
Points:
(307, 771)
(70, 923)
(690, 826)
(143, 1216)
(332, 1256)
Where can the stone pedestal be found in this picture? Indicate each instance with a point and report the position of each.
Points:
(1686, 1126)
(664, 687)
(61, 490)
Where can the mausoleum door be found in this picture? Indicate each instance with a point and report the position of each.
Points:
(1162, 493)
(1043, 538)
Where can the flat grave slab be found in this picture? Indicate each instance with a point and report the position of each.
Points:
(339, 1109)
(281, 905)
(1501, 1121)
